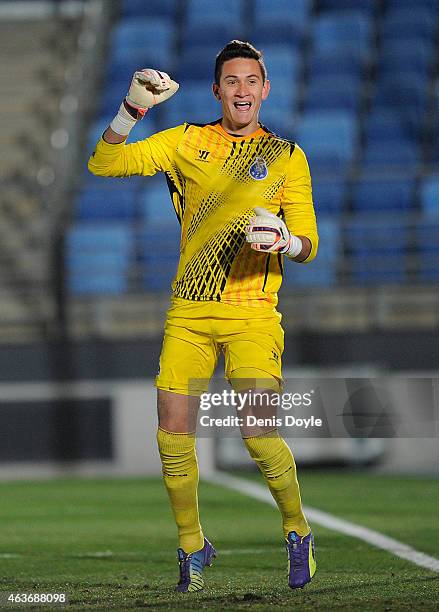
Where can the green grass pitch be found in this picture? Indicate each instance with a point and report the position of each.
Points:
(111, 545)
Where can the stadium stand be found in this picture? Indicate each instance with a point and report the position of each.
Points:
(98, 258)
(367, 125)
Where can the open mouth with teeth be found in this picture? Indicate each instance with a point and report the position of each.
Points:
(242, 106)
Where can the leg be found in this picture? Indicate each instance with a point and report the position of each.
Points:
(275, 460)
(177, 416)
(187, 362)
(176, 440)
(270, 452)
(254, 352)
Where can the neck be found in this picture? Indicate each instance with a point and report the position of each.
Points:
(232, 128)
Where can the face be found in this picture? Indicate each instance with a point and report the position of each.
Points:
(241, 91)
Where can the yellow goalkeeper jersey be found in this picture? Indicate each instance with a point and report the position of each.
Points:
(215, 180)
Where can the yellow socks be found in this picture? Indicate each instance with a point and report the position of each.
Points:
(275, 460)
(180, 474)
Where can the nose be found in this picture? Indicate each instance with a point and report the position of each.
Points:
(242, 89)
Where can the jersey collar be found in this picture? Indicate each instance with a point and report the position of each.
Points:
(256, 134)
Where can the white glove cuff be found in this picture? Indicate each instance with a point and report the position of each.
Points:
(295, 247)
(123, 123)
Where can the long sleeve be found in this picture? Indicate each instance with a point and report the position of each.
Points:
(297, 203)
(145, 157)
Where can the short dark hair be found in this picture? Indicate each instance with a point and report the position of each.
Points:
(238, 48)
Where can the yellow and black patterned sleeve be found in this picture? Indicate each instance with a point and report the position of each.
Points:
(145, 157)
(297, 204)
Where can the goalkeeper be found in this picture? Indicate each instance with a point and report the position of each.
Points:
(243, 198)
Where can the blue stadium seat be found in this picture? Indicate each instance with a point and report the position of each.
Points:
(408, 25)
(131, 33)
(160, 264)
(216, 33)
(113, 92)
(97, 128)
(384, 194)
(283, 66)
(329, 139)
(367, 233)
(286, 30)
(406, 56)
(427, 232)
(342, 29)
(151, 8)
(200, 13)
(103, 237)
(280, 60)
(138, 43)
(106, 203)
(155, 203)
(98, 258)
(332, 93)
(377, 249)
(279, 121)
(388, 126)
(406, 94)
(100, 283)
(97, 263)
(121, 66)
(322, 272)
(378, 269)
(283, 94)
(159, 273)
(296, 9)
(425, 5)
(337, 63)
(429, 195)
(329, 195)
(338, 5)
(197, 62)
(181, 107)
(382, 154)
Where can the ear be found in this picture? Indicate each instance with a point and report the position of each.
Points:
(265, 89)
(216, 91)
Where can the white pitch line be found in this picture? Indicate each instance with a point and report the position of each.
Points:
(374, 538)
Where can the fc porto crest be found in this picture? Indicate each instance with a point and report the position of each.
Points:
(258, 169)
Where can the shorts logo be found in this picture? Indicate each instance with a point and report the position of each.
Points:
(275, 356)
(258, 169)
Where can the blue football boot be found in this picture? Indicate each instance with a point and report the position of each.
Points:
(191, 567)
(301, 559)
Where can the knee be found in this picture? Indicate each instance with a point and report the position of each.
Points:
(177, 413)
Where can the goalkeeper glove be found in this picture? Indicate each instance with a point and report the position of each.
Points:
(267, 232)
(148, 88)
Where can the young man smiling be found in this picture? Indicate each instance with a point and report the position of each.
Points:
(225, 290)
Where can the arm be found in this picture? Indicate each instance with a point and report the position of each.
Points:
(148, 88)
(296, 237)
(298, 208)
(112, 137)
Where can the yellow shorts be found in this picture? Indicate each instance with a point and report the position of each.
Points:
(196, 333)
